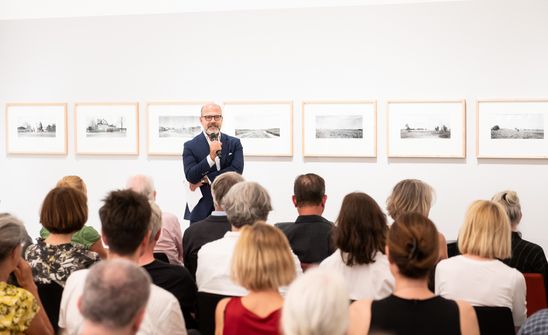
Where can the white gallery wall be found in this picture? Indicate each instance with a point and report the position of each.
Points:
(446, 50)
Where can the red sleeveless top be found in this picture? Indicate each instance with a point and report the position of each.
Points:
(241, 321)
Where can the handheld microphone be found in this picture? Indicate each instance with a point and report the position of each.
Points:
(215, 137)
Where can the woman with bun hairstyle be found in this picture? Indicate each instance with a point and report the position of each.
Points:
(414, 196)
(262, 262)
(360, 238)
(477, 275)
(527, 257)
(412, 250)
(87, 236)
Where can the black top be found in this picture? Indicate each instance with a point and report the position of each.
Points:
(309, 237)
(397, 316)
(527, 257)
(177, 280)
(197, 234)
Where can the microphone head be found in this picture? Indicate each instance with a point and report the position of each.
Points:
(213, 136)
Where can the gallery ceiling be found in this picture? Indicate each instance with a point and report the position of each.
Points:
(28, 9)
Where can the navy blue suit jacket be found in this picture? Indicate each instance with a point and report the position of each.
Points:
(196, 166)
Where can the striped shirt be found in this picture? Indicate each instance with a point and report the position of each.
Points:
(528, 257)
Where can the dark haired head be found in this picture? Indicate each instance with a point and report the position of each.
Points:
(64, 210)
(361, 229)
(125, 220)
(413, 245)
(309, 190)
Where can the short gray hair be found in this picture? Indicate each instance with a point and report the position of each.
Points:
(12, 234)
(115, 291)
(222, 184)
(245, 203)
(316, 304)
(142, 184)
(155, 220)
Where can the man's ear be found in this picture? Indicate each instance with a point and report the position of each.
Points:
(324, 200)
(158, 233)
(104, 238)
(138, 319)
(294, 199)
(154, 196)
(79, 303)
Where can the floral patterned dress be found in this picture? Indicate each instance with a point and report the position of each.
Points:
(17, 309)
(55, 263)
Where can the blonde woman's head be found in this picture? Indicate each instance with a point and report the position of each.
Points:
(262, 258)
(73, 182)
(486, 231)
(410, 196)
(510, 201)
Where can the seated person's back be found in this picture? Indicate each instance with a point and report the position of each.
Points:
(64, 212)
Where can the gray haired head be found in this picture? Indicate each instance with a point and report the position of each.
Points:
(245, 203)
(12, 234)
(143, 185)
(115, 291)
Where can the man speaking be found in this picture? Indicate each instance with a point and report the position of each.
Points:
(208, 155)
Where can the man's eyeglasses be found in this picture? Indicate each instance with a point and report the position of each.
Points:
(211, 117)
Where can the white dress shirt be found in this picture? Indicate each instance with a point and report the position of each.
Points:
(162, 316)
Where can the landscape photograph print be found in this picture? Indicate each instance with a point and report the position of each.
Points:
(257, 125)
(100, 125)
(517, 126)
(339, 126)
(185, 126)
(428, 125)
(40, 127)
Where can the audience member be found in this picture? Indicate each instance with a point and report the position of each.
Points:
(527, 257)
(114, 298)
(261, 263)
(412, 250)
(316, 304)
(477, 275)
(413, 195)
(245, 203)
(310, 234)
(173, 278)
(64, 212)
(21, 309)
(87, 236)
(170, 242)
(360, 236)
(214, 226)
(125, 223)
(536, 324)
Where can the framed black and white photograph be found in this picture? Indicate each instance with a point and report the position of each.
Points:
(339, 128)
(107, 128)
(265, 128)
(171, 124)
(36, 128)
(511, 128)
(426, 128)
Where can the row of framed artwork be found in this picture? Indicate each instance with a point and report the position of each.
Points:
(504, 128)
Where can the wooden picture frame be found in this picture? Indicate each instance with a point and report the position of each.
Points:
(265, 128)
(35, 128)
(426, 128)
(170, 124)
(332, 128)
(106, 128)
(511, 128)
